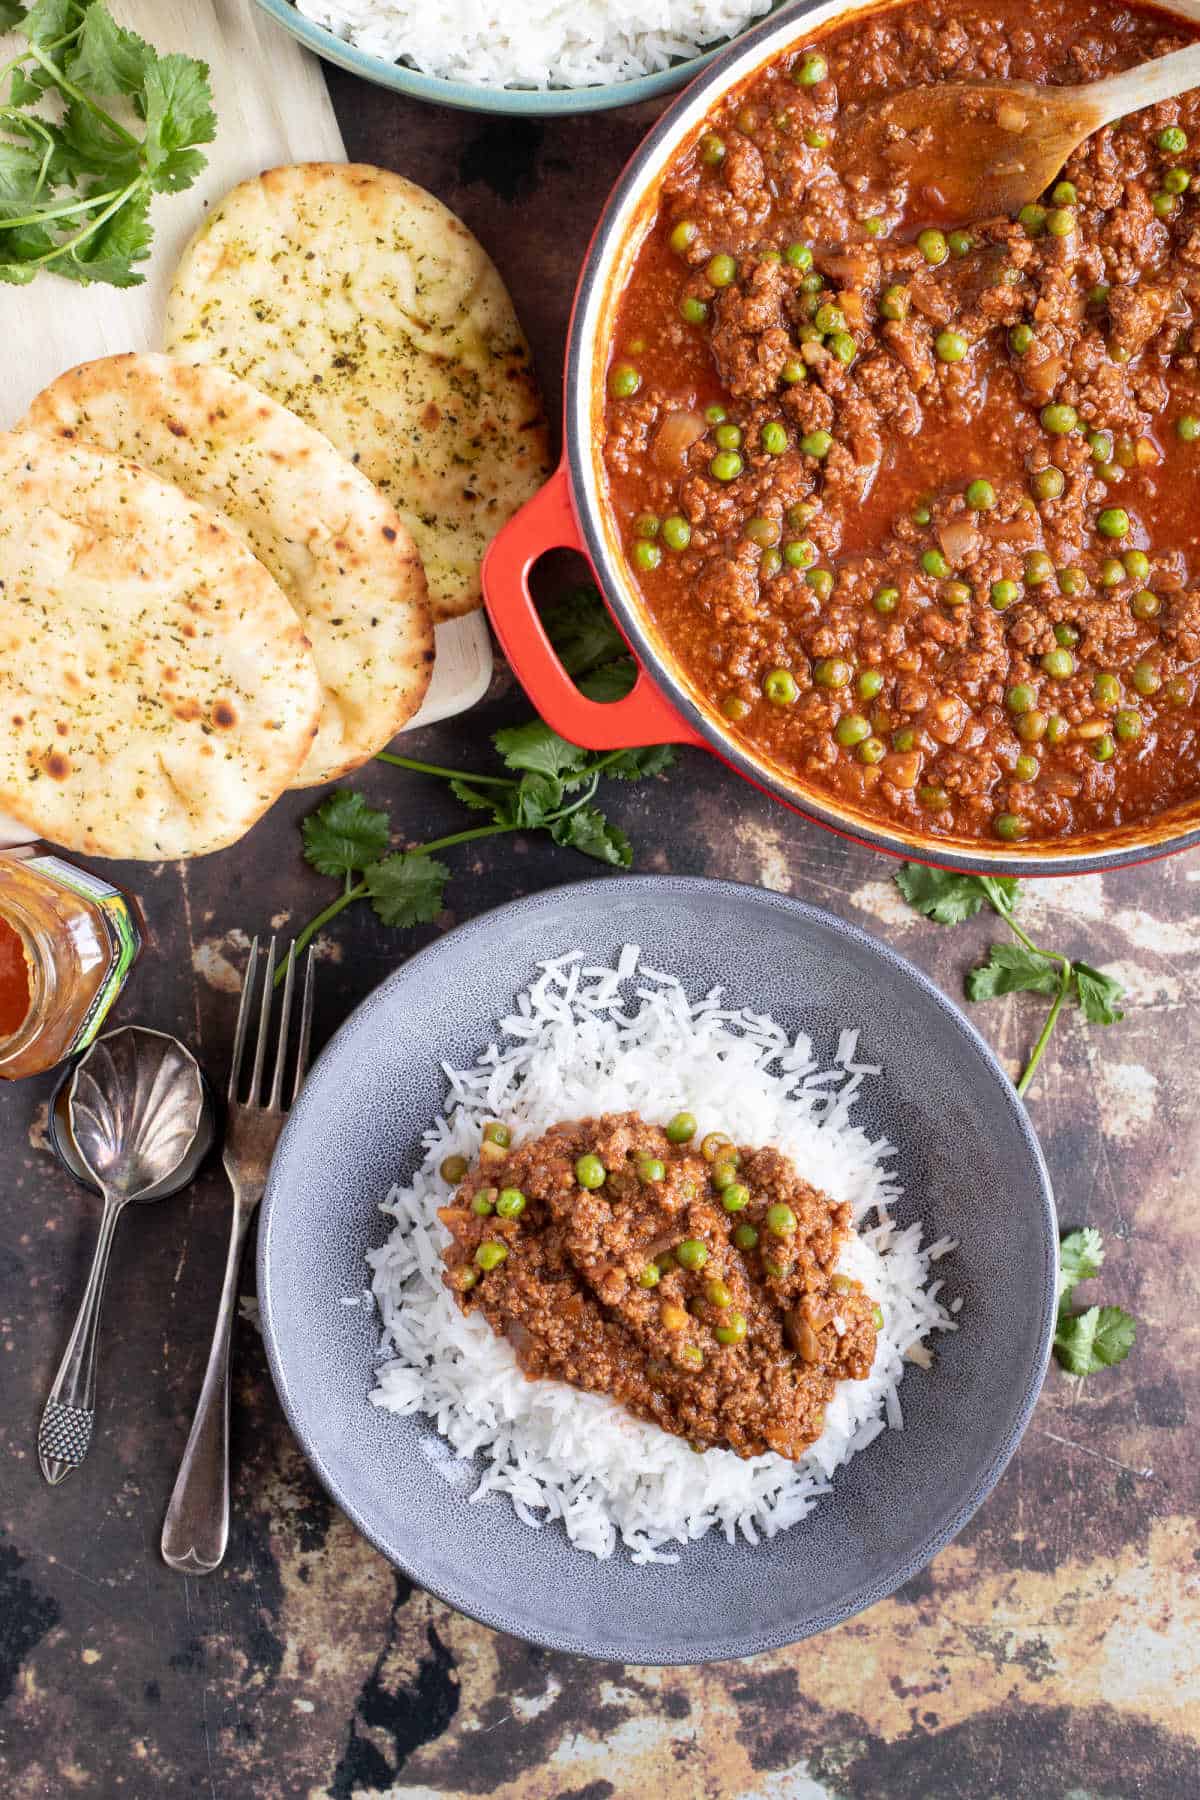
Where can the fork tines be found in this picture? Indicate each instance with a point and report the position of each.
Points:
(254, 1097)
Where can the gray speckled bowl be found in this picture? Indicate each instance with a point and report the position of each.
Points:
(971, 1167)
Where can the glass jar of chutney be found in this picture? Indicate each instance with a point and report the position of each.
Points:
(68, 940)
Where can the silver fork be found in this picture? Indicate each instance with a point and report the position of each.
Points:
(196, 1529)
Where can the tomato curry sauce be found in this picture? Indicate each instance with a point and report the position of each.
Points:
(918, 509)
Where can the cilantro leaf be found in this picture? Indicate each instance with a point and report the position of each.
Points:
(639, 765)
(535, 747)
(479, 800)
(49, 20)
(179, 116)
(1098, 995)
(406, 889)
(581, 629)
(110, 252)
(344, 834)
(1095, 1339)
(611, 681)
(108, 59)
(532, 803)
(1081, 1256)
(1012, 969)
(11, 14)
(588, 830)
(948, 897)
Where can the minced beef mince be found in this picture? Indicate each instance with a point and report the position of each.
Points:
(695, 1284)
(917, 509)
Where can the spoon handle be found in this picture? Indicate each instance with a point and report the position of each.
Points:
(65, 1432)
(1162, 78)
(196, 1528)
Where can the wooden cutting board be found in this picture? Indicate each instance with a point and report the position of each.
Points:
(272, 107)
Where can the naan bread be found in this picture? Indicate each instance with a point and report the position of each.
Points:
(157, 692)
(332, 542)
(360, 302)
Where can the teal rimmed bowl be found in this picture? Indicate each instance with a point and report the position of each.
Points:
(527, 103)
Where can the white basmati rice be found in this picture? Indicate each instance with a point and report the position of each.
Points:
(584, 1041)
(535, 43)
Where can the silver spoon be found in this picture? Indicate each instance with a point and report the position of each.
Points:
(136, 1105)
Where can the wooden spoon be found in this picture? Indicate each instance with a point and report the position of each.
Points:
(977, 149)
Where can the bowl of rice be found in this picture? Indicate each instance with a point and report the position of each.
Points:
(533, 58)
(553, 1513)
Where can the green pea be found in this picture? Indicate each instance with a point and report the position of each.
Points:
(676, 532)
(1145, 604)
(980, 496)
(483, 1203)
(510, 1203)
(799, 553)
(665, 1261)
(1033, 218)
(935, 564)
(1038, 568)
(1059, 419)
(955, 593)
(1010, 826)
(843, 347)
(1020, 698)
(721, 270)
(904, 738)
(933, 797)
(1072, 581)
(1187, 428)
(1178, 691)
(694, 1357)
(692, 1253)
(491, 1254)
(1064, 194)
(1098, 296)
(872, 750)
(1137, 564)
(715, 414)
(1100, 444)
(726, 465)
(779, 687)
(453, 1169)
(893, 302)
(693, 312)
(1031, 727)
(712, 149)
(831, 672)
(810, 70)
(1104, 748)
(960, 242)
(682, 1128)
(1020, 338)
(869, 684)
(817, 443)
(813, 282)
(735, 1197)
(732, 1331)
(1026, 768)
(623, 381)
(829, 317)
(764, 532)
(650, 1276)
(877, 1317)
(1057, 728)
(1060, 221)
(950, 346)
(683, 235)
(1112, 572)
(774, 1266)
(1146, 678)
(799, 256)
(1113, 522)
(774, 438)
(921, 513)
(851, 729)
(1059, 664)
(728, 437)
(1128, 724)
(1004, 593)
(875, 226)
(933, 246)
(1164, 206)
(496, 1133)
(821, 582)
(735, 708)
(590, 1172)
(1172, 140)
(1107, 688)
(780, 1220)
(647, 524)
(793, 371)
(1049, 483)
(646, 555)
(651, 1169)
(1176, 181)
(886, 599)
(745, 1237)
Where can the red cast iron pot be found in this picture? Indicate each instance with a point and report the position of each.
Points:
(571, 511)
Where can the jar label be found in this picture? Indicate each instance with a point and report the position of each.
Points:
(124, 938)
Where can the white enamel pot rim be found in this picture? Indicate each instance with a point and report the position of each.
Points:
(602, 279)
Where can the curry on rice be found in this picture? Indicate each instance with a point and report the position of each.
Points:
(916, 503)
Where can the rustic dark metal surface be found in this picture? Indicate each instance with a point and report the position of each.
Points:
(1051, 1653)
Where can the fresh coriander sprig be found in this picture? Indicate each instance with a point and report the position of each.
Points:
(76, 179)
(1100, 1336)
(550, 785)
(1023, 967)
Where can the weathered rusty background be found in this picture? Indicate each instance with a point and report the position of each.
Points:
(1051, 1654)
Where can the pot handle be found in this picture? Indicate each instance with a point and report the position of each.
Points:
(644, 716)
